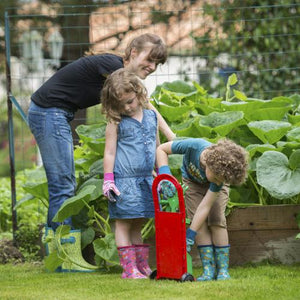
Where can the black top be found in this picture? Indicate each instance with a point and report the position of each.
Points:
(78, 84)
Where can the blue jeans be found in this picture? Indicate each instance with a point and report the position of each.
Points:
(52, 131)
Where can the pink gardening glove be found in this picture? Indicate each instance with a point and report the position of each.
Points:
(109, 188)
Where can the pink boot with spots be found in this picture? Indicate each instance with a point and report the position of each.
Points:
(142, 256)
(128, 262)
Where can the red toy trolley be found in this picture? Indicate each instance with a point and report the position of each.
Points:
(170, 235)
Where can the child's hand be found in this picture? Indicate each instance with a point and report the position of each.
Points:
(109, 188)
(190, 239)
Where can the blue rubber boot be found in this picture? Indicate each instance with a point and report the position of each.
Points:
(222, 262)
(207, 257)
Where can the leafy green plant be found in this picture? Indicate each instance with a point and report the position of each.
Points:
(261, 126)
(27, 240)
(279, 175)
(32, 214)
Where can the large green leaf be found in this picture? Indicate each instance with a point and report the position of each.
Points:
(53, 261)
(199, 88)
(223, 123)
(272, 113)
(208, 105)
(243, 136)
(279, 102)
(247, 107)
(287, 147)
(106, 248)
(25, 200)
(96, 168)
(269, 131)
(294, 134)
(97, 190)
(91, 132)
(205, 109)
(164, 99)
(192, 128)
(86, 162)
(185, 124)
(261, 148)
(37, 189)
(294, 119)
(87, 237)
(175, 113)
(73, 205)
(274, 109)
(37, 174)
(93, 136)
(175, 163)
(97, 146)
(179, 96)
(177, 86)
(276, 176)
(294, 160)
(175, 93)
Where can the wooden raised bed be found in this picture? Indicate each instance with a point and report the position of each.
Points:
(257, 234)
(264, 233)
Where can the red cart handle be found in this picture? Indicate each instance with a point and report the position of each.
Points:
(178, 187)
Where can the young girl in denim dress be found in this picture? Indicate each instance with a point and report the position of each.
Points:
(129, 158)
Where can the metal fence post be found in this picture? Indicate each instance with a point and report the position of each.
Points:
(10, 128)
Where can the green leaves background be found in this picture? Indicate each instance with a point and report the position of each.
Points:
(261, 126)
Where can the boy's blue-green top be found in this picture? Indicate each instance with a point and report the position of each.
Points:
(191, 149)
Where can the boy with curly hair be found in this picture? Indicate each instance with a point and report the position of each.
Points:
(207, 170)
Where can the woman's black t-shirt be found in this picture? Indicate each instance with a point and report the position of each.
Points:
(78, 84)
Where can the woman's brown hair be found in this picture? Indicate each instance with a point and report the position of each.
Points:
(158, 52)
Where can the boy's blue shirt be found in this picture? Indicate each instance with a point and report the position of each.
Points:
(191, 149)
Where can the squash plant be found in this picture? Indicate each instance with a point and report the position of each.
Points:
(261, 126)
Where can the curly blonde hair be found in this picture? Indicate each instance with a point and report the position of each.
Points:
(228, 160)
(118, 83)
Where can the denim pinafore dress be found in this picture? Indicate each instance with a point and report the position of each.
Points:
(134, 163)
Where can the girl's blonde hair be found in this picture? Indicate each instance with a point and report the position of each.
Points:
(158, 53)
(228, 160)
(116, 85)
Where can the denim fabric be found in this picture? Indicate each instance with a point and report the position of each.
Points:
(52, 131)
(133, 168)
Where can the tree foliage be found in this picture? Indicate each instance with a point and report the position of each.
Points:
(263, 42)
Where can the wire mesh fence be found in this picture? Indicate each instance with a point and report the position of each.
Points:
(260, 42)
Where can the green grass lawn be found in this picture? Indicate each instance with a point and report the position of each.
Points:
(27, 281)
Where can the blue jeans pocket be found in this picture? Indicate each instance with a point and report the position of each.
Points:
(37, 121)
(62, 128)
